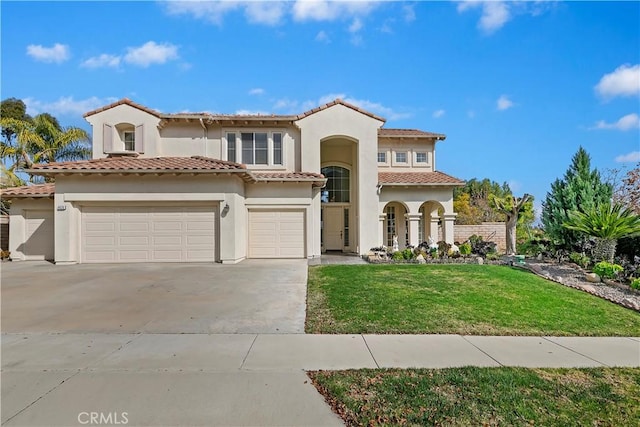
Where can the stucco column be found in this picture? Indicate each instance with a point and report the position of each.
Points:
(414, 225)
(433, 228)
(382, 229)
(448, 227)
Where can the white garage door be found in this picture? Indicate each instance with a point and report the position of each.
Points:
(39, 241)
(276, 234)
(148, 234)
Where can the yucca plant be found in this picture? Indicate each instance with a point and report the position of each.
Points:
(607, 223)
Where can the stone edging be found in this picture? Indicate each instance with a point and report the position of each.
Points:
(588, 289)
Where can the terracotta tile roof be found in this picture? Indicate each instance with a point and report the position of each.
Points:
(288, 175)
(38, 190)
(124, 101)
(341, 102)
(140, 164)
(412, 133)
(418, 178)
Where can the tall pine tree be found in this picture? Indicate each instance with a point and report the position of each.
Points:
(580, 190)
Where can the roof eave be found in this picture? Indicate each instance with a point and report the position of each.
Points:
(131, 171)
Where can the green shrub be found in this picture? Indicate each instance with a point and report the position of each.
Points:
(465, 249)
(397, 256)
(492, 256)
(408, 254)
(607, 270)
(635, 283)
(581, 259)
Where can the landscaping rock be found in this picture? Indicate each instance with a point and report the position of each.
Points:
(559, 279)
(421, 259)
(628, 302)
(592, 277)
(480, 260)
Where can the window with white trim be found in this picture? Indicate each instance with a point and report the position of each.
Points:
(231, 147)
(129, 137)
(277, 148)
(255, 148)
(382, 157)
(421, 157)
(401, 157)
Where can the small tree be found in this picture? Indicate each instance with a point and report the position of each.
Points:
(511, 206)
(607, 223)
(581, 189)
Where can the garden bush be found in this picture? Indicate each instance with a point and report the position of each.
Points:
(607, 270)
(481, 247)
(465, 249)
(581, 259)
(635, 283)
(397, 256)
(408, 254)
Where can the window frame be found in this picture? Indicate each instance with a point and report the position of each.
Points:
(271, 150)
(133, 139)
(397, 162)
(426, 158)
(386, 157)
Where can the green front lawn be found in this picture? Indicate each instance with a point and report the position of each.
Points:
(484, 396)
(455, 299)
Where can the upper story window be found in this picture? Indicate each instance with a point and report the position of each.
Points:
(382, 157)
(255, 148)
(401, 157)
(277, 148)
(129, 140)
(337, 189)
(421, 157)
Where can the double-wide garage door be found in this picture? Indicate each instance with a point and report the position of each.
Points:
(276, 234)
(148, 234)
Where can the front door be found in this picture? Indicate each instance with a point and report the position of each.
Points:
(333, 228)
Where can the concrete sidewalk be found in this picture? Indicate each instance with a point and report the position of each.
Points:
(200, 379)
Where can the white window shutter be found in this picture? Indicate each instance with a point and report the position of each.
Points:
(107, 138)
(140, 139)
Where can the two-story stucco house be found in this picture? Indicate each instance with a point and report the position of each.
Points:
(221, 188)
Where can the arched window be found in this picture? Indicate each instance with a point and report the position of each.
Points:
(338, 185)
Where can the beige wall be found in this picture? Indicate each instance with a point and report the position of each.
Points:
(485, 230)
(17, 223)
(339, 121)
(124, 114)
(411, 147)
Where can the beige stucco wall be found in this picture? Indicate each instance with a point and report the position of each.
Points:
(343, 122)
(17, 223)
(411, 147)
(124, 114)
(274, 195)
(74, 192)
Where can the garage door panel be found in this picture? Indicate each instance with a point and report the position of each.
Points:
(276, 234)
(148, 233)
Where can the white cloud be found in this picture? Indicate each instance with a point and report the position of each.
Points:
(252, 113)
(494, 14)
(323, 37)
(631, 157)
(504, 103)
(57, 53)
(265, 12)
(212, 11)
(409, 13)
(628, 122)
(66, 105)
(256, 91)
(438, 113)
(151, 53)
(356, 25)
(623, 81)
(100, 61)
(324, 10)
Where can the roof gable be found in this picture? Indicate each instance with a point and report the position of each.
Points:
(123, 101)
(343, 103)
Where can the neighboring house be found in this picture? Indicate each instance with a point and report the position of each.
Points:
(208, 187)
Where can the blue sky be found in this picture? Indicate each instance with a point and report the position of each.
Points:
(517, 87)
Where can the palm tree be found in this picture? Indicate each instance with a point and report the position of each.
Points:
(607, 223)
(42, 140)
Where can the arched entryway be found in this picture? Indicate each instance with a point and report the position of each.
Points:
(431, 221)
(395, 223)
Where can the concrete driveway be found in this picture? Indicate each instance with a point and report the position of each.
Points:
(255, 296)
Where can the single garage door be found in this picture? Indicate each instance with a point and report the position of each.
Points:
(39, 240)
(276, 234)
(148, 234)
